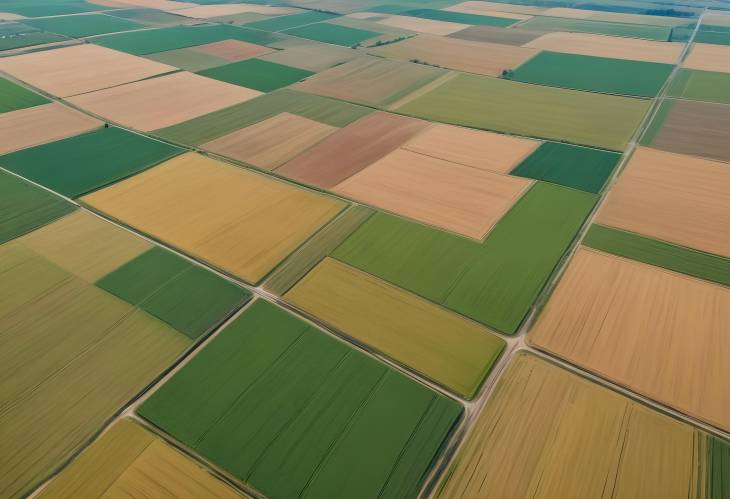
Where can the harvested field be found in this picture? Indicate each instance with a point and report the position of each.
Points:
(489, 34)
(332, 33)
(187, 59)
(465, 146)
(673, 198)
(568, 13)
(659, 253)
(263, 76)
(708, 58)
(160, 4)
(708, 86)
(462, 55)
(460, 17)
(291, 21)
(77, 165)
(177, 37)
(216, 124)
(157, 103)
(350, 150)
(370, 81)
(652, 20)
(24, 207)
(486, 12)
(572, 166)
(448, 349)
(609, 46)
(83, 25)
(609, 315)
(420, 25)
(313, 56)
(40, 124)
(82, 68)
(414, 185)
(336, 410)
(479, 7)
(128, 460)
(272, 142)
(631, 31)
(574, 424)
(495, 281)
(596, 74)
(233, 50)
(694, 128)
(208, 11)
(173, 202)
(151, 17)
(606, 121)
(14, 97)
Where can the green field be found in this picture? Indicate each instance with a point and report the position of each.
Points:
(14, 97)
(83, 163)
(606, 121)
(210, 126)
(24, 207)
(713, 37)
(280, 23)
(84, 25)
(572, 166)
(272, 396)
(149, 16)
(41, 8)
(494, 282)
(596, 74)
(659, 253)
(332, 33)
(188, 59)
(16, 35)
(459, 17)
(552, 24)
(260, 75)
(163, 39)
(708, 86)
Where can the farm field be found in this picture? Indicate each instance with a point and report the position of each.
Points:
(329, 248)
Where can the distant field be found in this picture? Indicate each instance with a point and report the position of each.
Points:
(86, 25)
(332, 33)
(494, 104)
(540, 23)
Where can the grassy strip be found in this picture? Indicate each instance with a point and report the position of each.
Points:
(657, 122)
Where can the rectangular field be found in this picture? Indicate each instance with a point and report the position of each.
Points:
(708, 58)
(488, 103)
(611, 316)
(232, 50)
(263, 76)
(205, 208)
(14, 97)
(83, 25)
(461, 17)
(673, 198)
(557, 24)
(516, 36)
(448, 349)
(708, 86)
(294, 403)
(574, 424)
(421, 25)
(280, 23)
(332, 33)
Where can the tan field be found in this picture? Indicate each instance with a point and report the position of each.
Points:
(673, 197)
(546, 433)
(488, 12)
(160, 102)
(41, 124)
(716, 18)
(419, 25)
(271, 142)
(233, 50)
(657, 332)
(708, 57)
(9, 16)
(237, 220)
(619, 17)
(348, 151)
(454, 197)
(609, 46)
(568, 12)
(484, 150)
(160, 4)
(208, 11)
(82, 68)
(484, 8)
(463, 55)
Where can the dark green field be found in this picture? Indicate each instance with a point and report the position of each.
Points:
(332, 33)
(280, 23)
(14, 97)
(257, 74)
(84, 25)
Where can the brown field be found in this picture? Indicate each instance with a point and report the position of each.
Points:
(419, 25)
(674, 198)
(609, 46)
(659, 333)
(370, 80)
(513, 36)
(696, 128)
(271, 142)
(708, 57)
(311, 55)
(485, 8)
(463, 55)
(548, 433)
(82, 68)
(233, 50)
(454, 197)
(484, 150)
(235, 219)
(208, 11)
(41, 124)
(160, 102)
(348, 151)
